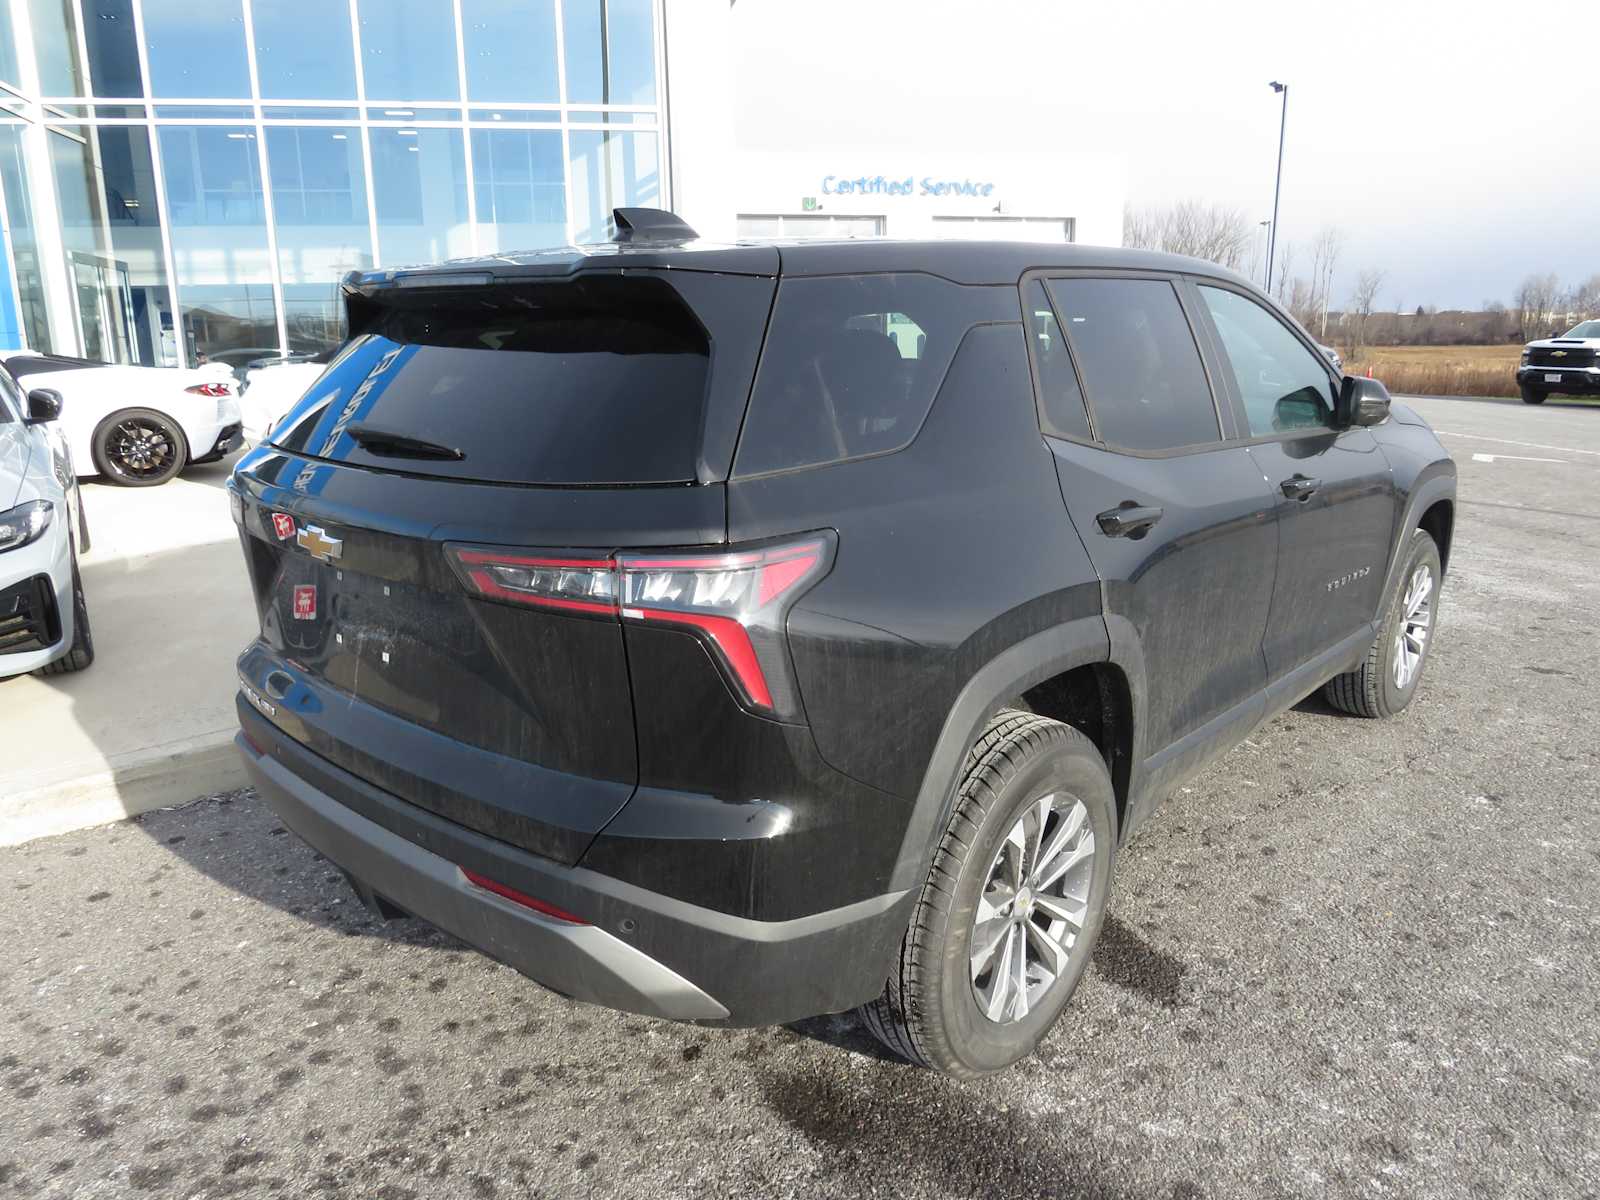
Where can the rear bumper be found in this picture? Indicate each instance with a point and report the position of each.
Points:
(643, 952)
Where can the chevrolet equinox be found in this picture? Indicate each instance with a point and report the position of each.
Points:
(740, 633)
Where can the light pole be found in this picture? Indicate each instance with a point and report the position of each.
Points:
(1272, 234)
(1266, 228)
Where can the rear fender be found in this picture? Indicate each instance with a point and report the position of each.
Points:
(1031, 661)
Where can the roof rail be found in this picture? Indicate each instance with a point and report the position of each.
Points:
(649, 225)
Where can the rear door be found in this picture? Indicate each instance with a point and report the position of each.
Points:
(1178, 524)
(562, 419)
(1333, 487)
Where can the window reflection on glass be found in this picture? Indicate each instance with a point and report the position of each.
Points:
(55, 44)
(408, 49)
(419, 185)
(8, 48)
(1284, 386)
(611, 170)
(24, 242)
(610, 48)
(219, 239)
(196, 50)
(111, 228)
(511, 50)
(319, 200)
(303, 50)
(113, 48)
(517, 179)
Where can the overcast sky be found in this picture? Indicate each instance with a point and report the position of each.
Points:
(1436, 136)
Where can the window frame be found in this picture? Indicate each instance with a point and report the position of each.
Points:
(1221, 402)
(1219, 351)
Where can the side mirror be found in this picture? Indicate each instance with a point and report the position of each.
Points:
(1362, 401)
(44, 404)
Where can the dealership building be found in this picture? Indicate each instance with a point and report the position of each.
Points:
(185, 181)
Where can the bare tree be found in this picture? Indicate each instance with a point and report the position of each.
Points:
(1212, 232)
(1324, 257)
(1585, 298)
(1362, 300)
(1537, 300)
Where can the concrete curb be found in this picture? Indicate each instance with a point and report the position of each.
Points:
(162, 777)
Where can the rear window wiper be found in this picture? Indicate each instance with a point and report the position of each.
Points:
(399, 445)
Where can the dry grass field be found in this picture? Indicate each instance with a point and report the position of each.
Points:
(1442, 370)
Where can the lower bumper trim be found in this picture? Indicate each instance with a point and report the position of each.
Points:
(581, 961)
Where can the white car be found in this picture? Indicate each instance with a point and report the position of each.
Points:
(271, 388)
(44, 622)
(137, 426)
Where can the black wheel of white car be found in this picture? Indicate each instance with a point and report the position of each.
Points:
(1533, 395)
(139, 447)
(82, 652)
(1008, 918)
(1387, 679)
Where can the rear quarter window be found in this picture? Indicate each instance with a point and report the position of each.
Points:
(851, 367)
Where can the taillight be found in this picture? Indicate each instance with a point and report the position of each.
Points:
(737, 602)
(522, 898)
(209, 389)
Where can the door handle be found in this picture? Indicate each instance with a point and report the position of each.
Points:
(1128, 520)
(1300, 487)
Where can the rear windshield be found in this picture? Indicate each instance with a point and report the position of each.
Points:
(588, 382)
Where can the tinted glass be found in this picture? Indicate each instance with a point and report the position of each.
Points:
(598, 381)
(611, 170)
(1284, 385)
(113, 48)
(835, 382)
(408, 49)
(1061, 409)
(219, 239)
(521, 197)
(1138, 362)
(55, 44)
(11, 399)
(419, 185)
(8, 48)
(196, 50)
(303, 50)
(511, 50)
(24, 243)
(610, 51)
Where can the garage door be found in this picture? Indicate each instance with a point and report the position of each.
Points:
(809, 225)
(1005, 229)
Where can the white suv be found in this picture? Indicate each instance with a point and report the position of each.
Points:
(44, 623)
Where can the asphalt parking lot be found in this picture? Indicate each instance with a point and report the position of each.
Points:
(1353, 959)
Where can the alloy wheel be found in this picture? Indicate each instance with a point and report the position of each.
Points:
(1033, 907)
(140, 448)
(1411, 639)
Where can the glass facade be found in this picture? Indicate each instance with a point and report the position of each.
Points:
(185, 182)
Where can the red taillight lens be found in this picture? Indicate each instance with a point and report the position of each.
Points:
(209, 389)
(516, 897)
(737, 602)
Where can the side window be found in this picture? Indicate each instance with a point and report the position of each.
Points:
(1284, 386)
(12, 402)
(850, 369)
(1060, 399)
(1138, 361)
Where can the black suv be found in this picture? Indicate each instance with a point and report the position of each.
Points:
(740, 633)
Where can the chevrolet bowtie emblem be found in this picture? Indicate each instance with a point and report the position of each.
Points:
(1559, 354)
(318, 544)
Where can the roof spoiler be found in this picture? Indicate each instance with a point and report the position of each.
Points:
(649, 225)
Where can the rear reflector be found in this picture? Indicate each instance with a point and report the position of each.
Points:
(737, 602)
(516, 897)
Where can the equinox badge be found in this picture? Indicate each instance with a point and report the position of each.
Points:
(318, 544)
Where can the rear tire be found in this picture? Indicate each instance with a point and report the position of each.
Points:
(1533, 395)
(1387, 679)
(139, 447)
(1045, 779)
(82, 652)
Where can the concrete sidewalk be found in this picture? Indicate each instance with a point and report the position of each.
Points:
(151, 722)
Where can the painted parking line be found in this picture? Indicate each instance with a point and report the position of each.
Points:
(1489, 458)
(1508, 442)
